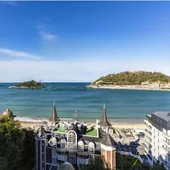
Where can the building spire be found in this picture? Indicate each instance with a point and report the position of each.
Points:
(108, 141)
(104, 121)
(104, 107)
(41, 131)
(54, 118)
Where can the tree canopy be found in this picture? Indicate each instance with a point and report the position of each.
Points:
(132, 78)
(16, 145)
(123, 162)
(30, 84)
(96, 164)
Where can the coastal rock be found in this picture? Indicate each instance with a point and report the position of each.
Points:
(29, 84)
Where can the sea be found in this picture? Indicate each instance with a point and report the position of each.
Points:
(75, 101)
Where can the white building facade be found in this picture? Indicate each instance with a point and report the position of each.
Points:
(157, 138)
(57, 142)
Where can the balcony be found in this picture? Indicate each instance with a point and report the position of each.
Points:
(62, 157)
(164, 150)
(147, 132)
(148, 145)
(148, 127)
(146, 149)
(61, 149)
(148, 139)
(82, 153)
(82, 161)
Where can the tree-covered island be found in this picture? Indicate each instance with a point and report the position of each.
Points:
(28, 84)
(133, 80)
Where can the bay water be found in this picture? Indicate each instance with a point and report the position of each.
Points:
(74, 100)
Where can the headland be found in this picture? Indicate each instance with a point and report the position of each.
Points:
(140, 80)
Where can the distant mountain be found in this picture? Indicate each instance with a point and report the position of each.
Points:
(133, 78)
(28, 84)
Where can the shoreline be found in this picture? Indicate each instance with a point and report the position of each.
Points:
(24, 87)
(90, 121)
(112, 87)
(32, 125)
(119, 125)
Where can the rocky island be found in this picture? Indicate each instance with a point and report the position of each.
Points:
(139, 80)
(28, 84)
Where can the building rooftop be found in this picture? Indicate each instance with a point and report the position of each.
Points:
(104, 121)
(60, 130)
(54, 117)
(162, 114)
(108, 141)
(41, 131)
(89, 131)
(160, 119)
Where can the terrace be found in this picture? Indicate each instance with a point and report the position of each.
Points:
(91, 132)
(60, 130)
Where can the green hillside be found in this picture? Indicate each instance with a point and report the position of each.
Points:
(29, 84)
(132, 78)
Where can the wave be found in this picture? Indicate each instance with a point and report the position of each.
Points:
(29, 119)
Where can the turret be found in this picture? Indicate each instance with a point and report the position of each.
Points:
(40, 140)
(108, 151)
(41, 132)
(104, 121)
(54, 117)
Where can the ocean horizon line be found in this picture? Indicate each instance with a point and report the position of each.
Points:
(50, 82)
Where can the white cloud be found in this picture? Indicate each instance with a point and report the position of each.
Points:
(44, 31)
(14, 53)
(12, 3)
(47, 36)
(67, 71)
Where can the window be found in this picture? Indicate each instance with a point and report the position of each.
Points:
(52, 141)
(71, 139)
(72, 159)
(91, 157)
(72, 136)
(63, 143)
(102, 151)
(91, 147)
(53, 152)
(54, 161)
(81, 145)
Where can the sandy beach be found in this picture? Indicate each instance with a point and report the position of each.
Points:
(129, 125)
(26, 124)
(119, 125)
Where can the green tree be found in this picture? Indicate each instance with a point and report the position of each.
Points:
(96, 164)
(30, 84)
(11, 140)
(132, 78)
(124, 162)
(158, 166)
(28, 151)
(16, 145)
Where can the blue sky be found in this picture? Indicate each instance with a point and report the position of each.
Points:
(81, 41)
